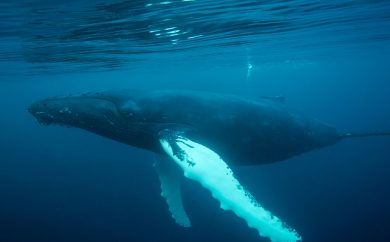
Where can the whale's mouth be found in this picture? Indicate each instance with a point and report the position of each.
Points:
(42, 120)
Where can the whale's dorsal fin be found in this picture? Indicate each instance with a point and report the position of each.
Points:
(170, 176)
(203, 165)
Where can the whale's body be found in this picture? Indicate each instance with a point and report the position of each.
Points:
(200, 134)
(244, 131)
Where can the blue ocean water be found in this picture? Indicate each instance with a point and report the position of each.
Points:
(330, 59)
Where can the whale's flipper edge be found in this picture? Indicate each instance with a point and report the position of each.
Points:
(170, 175)
(203, 165)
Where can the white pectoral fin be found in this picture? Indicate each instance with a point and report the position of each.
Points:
(203, 165)
(170, 175)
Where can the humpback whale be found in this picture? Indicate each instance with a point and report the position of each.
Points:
(199, 135)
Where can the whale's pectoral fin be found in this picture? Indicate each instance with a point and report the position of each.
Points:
(170, 175)
(203, 165)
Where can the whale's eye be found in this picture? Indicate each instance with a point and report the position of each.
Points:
(129, 108)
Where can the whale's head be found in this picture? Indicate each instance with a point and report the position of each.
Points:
(114, 115)
(78, 110)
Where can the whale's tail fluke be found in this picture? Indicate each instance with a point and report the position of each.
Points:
(366, 134)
